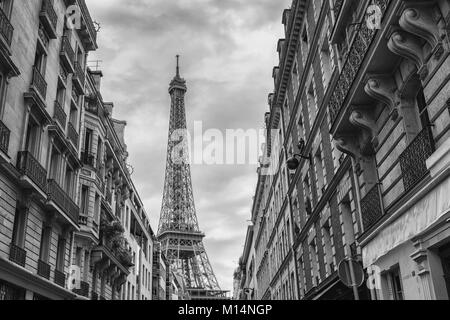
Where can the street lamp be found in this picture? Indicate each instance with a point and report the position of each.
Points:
(294, 162)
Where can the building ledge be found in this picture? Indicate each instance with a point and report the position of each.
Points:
(22, 277)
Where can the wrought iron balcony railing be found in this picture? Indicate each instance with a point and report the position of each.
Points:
(63, 201)
(60, 116)
(84, 289)
(49, 18)
(43, 36)
(72, 134)
(67, 54)
(4, 138)
(88, 159)
(352, 64)
(30, 167)
(413, 159)
(43, 269)
(337, 7)
(60, 278)
(371, 208)
(38, 83)
(6, 28)
(17, 255)
(79, 76)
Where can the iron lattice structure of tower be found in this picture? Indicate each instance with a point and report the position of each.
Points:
(178, 232)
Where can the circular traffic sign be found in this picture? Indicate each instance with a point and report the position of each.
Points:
(345, 275)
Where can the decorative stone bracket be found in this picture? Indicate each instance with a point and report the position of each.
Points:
(382, 88)
(422, 22)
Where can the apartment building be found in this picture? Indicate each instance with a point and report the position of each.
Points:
(72, 225)
(362, 113)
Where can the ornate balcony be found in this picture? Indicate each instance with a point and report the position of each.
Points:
(49, 18)
(60, 116)
(38, 83)
(4, 138)
(17, 255)
(352, 64)
(79, 77)
(43, 269)
(31, 168)
(43, 36)
(371, 208)
(88, 159)
(6, 28)
(94, 295)
(60, 278)
(67, 54)
(57, 195)
(72, 134)
(84, 289)
(413, 159)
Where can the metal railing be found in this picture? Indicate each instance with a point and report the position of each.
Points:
(79, 73)
(60, 278)
(38, 83)
(30, 167)
(72, 134)
(60, 116)
(4, 137)
(48, 11)
(413, 159)
(43, 269)
(63, 200)
(66, 49)
(6, 28)
(371, 208)
(17, 255)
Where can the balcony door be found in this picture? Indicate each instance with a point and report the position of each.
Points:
(32, 140)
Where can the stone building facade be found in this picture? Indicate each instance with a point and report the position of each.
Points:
(361, 99)
(72, 225)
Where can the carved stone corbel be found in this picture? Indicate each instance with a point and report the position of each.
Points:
(408, 46)
(363, 119)
(383, 88)
(347, 144)
(423, 23)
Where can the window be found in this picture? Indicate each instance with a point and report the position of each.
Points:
(97, 209)
(40, 60)
(60, 254)
(45, 243)
(54, 165)
(84, 200)
(99, 154)
(69, 181)
(321, 184)
(86, 266)
(326, 62)
(305, 44)
(422, 108)
(88, 141)
(33, 136)
(19, 228)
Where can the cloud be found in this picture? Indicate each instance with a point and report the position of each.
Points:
(228, 49)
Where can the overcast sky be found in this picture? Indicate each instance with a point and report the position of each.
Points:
(228, 49)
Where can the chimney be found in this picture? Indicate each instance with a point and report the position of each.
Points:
(97, 75)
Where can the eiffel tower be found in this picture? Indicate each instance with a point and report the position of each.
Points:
(178, 232)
